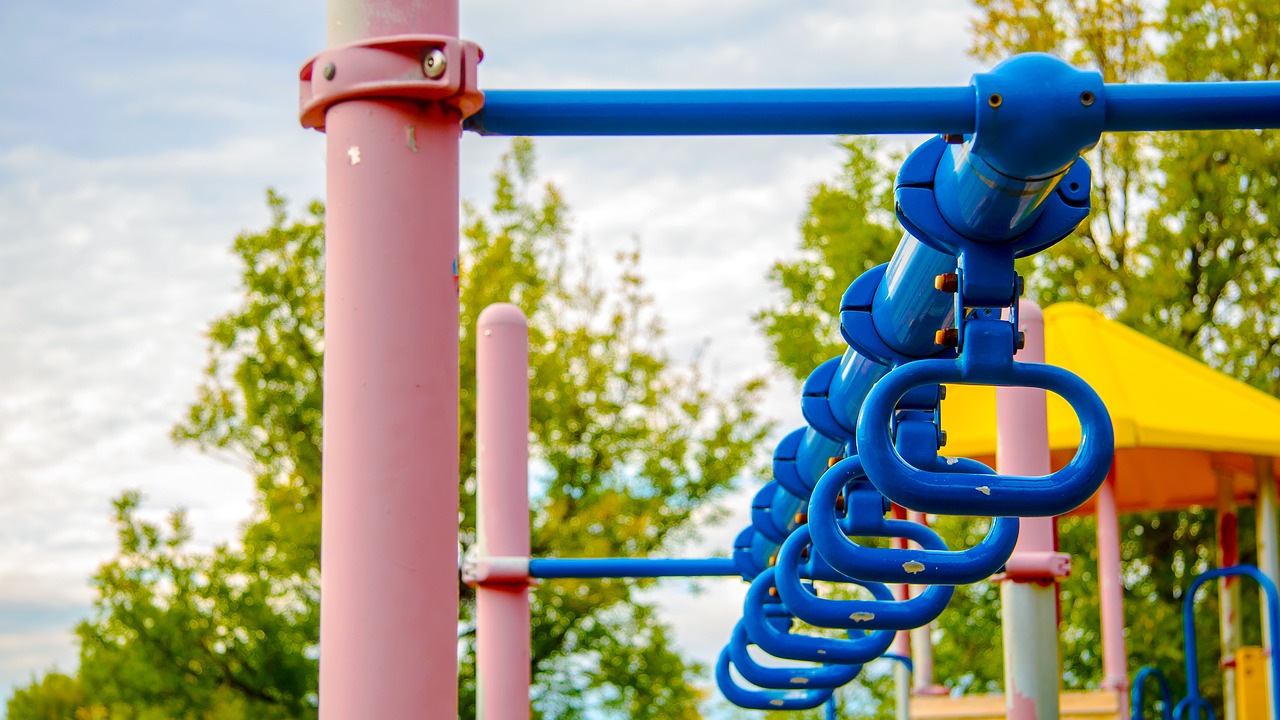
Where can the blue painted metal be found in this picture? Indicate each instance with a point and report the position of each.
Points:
(987, 359)
(764, 699)
(773, 511)
(631, 567)
(857, 649)
(785, 677)
(852, 111)
(934, 564)
(1194, 702)
(834, 111)
(854, 614)
(1137, 698)
(1193, 106)
(906, 309)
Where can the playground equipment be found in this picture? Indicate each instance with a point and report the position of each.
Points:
(998, 182)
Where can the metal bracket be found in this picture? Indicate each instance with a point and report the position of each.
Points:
(496, 571)
(423, 68)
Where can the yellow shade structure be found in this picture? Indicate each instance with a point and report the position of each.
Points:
(1178, 423)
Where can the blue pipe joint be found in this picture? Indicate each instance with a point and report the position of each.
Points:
(989, 226)
(785, 678)
(751, 553)
(986, 360)
(932, 564)
(857, 320)
(785, 472)
(1036, 114)
(773, 511)
(764, 699)
(851, 614)
(815, 404)
(857, 649)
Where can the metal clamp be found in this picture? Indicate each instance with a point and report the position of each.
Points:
(423, 68)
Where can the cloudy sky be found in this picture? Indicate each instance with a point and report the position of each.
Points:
(137, 138)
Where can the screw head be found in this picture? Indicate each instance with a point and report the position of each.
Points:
(994, 100)
(1087, 98)
(329, 71)
(433, 64)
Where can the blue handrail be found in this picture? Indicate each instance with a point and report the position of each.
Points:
(1137, 698)
(1194, 701)
(851, 111)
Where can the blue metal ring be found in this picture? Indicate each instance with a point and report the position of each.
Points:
(946, 492)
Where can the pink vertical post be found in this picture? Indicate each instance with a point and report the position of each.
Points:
(922, 639)
(901, 641)
(1228, 589)
(388, 617)
(1029, 591)
(1115, 675)
(502, 522)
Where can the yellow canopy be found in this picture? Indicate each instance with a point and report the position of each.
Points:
(1178, 423)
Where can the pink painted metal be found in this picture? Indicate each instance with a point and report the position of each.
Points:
(922, 640)
(1228, 551)
(502, 522)
(388, 618)
(1029, 591)
(1115, 675)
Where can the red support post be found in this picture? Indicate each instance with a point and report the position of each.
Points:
(389, 94)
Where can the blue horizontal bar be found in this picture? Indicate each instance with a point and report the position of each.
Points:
(831, 111)
(630, 567)
(1193, 106)
(851, 111)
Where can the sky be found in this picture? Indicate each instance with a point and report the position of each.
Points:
(137, 138)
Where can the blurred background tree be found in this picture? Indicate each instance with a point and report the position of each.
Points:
(627, 445)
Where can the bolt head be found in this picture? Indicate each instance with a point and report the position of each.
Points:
(433, 64)
(329, 71)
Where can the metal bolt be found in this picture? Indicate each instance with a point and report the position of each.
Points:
(953, 139)
(942, 392)
(801, 518)
(942, 438)
(831, 461)
(1087, 98)
(949, 337)
(773, 592)
(329, 71)
(994, 100)
(433, 64)
(840, 503)
(1022, 339)
(773, 560)
(947, 282)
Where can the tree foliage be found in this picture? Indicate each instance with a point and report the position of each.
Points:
(627, 445)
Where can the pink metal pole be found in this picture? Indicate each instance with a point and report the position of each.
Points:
(388, 618)
(502, 500)
(1228, 590)
(1029, 591)
(1115, 675)
(901, 641)
(922, 640)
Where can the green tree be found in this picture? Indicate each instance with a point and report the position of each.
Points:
(627, 444)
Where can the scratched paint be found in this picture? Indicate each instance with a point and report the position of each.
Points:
(353, 153)
(913, 566)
